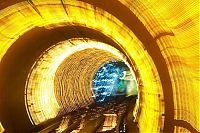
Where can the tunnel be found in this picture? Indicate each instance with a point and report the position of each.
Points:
(99, 66)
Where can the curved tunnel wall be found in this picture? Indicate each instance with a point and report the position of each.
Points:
(75, 68)
(175, 41)
(60, 79)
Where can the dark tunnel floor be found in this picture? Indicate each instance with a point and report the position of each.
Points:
(115, 116)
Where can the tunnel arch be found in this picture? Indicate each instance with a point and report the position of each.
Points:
(23, 66)
(168, 119)
(120, 41)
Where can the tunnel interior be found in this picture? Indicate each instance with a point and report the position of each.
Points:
(99, 66)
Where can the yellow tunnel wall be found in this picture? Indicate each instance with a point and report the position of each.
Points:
(173, 24)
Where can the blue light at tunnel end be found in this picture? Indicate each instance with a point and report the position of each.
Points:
(111, 80)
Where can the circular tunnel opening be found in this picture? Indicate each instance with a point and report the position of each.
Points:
(113, 79)
(78, 76)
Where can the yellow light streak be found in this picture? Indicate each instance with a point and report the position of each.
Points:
(1, 128)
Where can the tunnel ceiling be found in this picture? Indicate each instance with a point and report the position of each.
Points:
(158, 40)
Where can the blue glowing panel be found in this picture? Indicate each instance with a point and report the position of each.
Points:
(107, 81)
